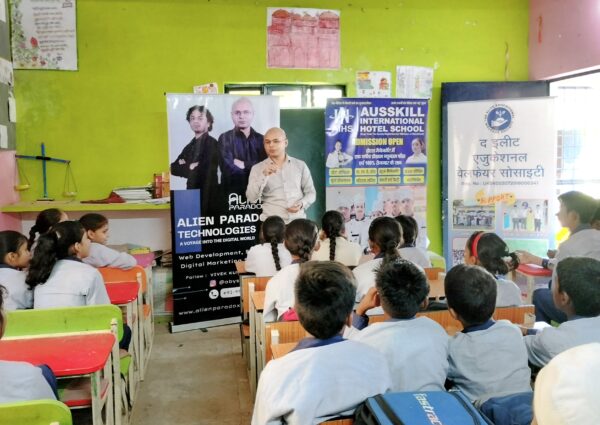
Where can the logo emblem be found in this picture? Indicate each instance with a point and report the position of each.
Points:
(499, 118)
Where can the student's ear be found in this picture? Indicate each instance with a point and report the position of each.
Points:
(424, 304)
(452, 313)
(90, 234)
(10, 258)
(349, 320)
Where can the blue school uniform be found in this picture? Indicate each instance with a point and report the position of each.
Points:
(23, 382)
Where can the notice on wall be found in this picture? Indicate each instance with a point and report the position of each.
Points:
(6, 72)
(373, 84)
(3, 10)
(209, 88)
(303, 38)
(44, 34)
(414, 82)
(3, 137)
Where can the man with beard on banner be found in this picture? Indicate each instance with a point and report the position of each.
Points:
(283, 184)
(240, 148)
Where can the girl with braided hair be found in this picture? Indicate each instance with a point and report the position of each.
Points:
(334, 245)
(43, 222)
(300, 239)
(271, 255)
(385, 235)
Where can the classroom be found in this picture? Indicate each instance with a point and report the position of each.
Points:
(505, 128)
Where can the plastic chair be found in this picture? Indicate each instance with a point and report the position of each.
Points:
(36, 412)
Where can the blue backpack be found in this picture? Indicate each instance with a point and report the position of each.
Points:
(419, 408)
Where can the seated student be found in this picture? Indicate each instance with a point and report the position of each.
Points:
(385, 234)
(489, 251)
(22, 381)
(575, 213)
(334, 245)
(270, 256)
(566, 391)
(576, 292)
(487, 359)
(324, 376)
(300, 239)
(44, 221)
(416, 348)
(408, 249)
(595, 221)
(14, 257)
(96, 228)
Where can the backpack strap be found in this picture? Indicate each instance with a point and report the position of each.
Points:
(389, 412)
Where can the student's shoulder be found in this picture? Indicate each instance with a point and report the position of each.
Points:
(25, 371)
(367, 266)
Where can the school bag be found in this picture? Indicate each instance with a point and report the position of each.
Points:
(419, 408)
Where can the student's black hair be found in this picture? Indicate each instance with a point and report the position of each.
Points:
(301, 237)
(402, 288)
(584, 205)
(596, 218)
(53, 246)
(10, 241)
(492, 253)
(410, 230)
(44, 221)
(387, 234)
(93, 221)
(325, 293)
(3, 293)
(272, 232)
(471, 293)
(333, 226)
(203, 110)
(579, 277)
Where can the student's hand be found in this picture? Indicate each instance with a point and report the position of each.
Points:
(239, 164)
(551, 253)
(528, 258)
(270, 169)
(193, 165)
(295, 208)
(369, 301)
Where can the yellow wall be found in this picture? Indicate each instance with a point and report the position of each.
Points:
(109, 117)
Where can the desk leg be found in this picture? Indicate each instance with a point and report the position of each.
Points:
(261, 332)
(252, 377)
(135, 355)
(96, 398)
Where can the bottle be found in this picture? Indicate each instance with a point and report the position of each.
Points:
(158, 186)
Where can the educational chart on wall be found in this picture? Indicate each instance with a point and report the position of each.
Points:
(44, 34)
(373, 84)
(214, 140)
(502, 167)
(376, 161)
(303, 38)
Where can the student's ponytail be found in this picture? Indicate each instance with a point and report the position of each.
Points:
(300, 238)
(333, 226)
(44, 221)
(492, 253)
(53, 246)
(386, 233)
(273, 230)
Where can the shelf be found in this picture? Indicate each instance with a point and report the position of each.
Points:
(36, 206)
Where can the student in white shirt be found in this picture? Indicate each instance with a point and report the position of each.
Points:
(489, 251)
(14, 257)
(385, 235)
(325, 375)
(488, 358)
(96, 228)
(576, 292)
(408, 249)
(415, 348)
(300, 239)
(269, 257)
(334, 246)
(43, 222)
(23, 381)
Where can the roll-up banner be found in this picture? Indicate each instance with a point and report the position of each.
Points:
(501, 174)
(376, 162)
(214, 140)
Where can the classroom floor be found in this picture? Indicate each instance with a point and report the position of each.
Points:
(195, 378)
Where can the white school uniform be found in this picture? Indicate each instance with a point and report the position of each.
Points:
(260, 259)
(311, 385)
(279, 294)
(365, 277)
(103, 256)
(582, 243)
(508, 293)
(490, 362)
(19, 295)
(23, 382)
(415, 255)
(416, 351)
(347, 253)
(549, 342)
(71, 284)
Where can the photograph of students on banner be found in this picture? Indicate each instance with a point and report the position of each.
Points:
(338, 158)
(418, 148)
(473, 217)
(526, 215)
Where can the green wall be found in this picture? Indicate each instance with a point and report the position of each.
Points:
(109, 117)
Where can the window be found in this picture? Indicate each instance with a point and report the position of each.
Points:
(291, 95)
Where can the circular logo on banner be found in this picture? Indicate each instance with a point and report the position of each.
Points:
(499, 118)
(213, 294)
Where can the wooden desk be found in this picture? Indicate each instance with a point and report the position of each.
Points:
(280, 350)
(436, 289)
(531, 271)
(257, 302)
(122, 293)
(72, 355)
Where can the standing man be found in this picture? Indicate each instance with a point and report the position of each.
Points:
(240, 148)
(283, 184)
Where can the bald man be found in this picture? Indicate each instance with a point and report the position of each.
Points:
(240, 148)
(283, 184)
